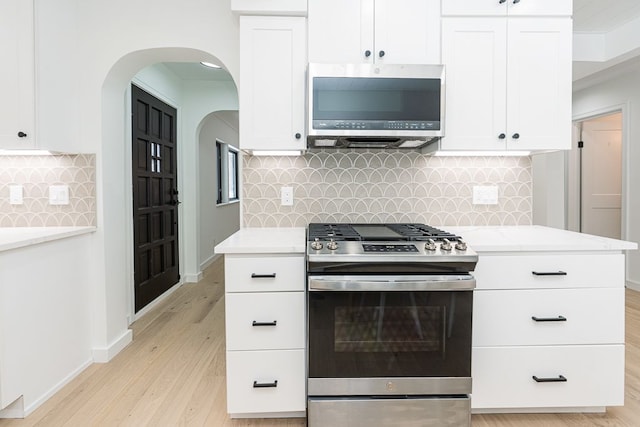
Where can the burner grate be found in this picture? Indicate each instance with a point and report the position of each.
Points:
(407, 231)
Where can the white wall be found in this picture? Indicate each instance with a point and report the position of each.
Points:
(216, 222)
(623, 91)
(89, 51)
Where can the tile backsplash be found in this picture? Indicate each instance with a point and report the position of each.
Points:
(36, 174)
(384, 186)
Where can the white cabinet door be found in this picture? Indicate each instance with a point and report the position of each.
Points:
(508, 83)
(473, 51)
(539, 84)
(272, 80)
(504, 7)
(17, 123)
(374, 31)
(407, 32)
(341, 32)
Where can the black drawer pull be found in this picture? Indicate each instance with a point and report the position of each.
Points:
(549, 273)
(559, 379)
(256, 384)
(263, 276)
(264, 323)
(549, 319)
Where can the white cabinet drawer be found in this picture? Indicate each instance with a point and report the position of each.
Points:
(503, 376)
(264, 273)
(551, 271)
(265, 321)
(593, 316)
(265, 381)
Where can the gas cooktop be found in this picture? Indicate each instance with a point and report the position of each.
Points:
(377, 232)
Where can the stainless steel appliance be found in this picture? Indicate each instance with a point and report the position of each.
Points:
(374, 106)
(389, 326)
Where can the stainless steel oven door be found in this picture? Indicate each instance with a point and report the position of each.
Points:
(389, 335)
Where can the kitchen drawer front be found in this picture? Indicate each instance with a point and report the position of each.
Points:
(516, 271)
(502, 376)
(593, 316)
(264, 273)
(265, 321)
(246, 368)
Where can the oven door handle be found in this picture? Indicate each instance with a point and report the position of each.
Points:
(463, 282)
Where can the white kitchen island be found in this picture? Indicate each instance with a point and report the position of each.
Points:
(548, 304)
(549, 316)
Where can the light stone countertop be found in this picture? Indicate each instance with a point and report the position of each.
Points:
(19, 237)
(534, 238)
(264, 240)
(482, 239)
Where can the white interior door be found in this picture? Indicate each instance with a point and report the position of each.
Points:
(602, 176)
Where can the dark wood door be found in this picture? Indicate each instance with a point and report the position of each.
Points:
(155, 197)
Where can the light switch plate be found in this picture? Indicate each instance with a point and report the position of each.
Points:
(58, 194)
(286, 196)
(485, 195)
(15, 195)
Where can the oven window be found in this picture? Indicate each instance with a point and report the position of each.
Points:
(384, 334)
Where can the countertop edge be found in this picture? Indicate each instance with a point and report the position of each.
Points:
(37, 235)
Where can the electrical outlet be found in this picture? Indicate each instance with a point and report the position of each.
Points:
(15, 195)
(485, 195)
(286, 196)
(58, 194)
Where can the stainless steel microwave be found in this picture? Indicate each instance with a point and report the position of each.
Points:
(374, 106)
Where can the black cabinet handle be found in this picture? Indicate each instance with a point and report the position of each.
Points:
(549, 319)
(515, 136)
(256, 384)
(549, 273)
(22, 134)
(502, 136)
(381, 53)
(516, 1)
(559, 379)
(502, 1)
(298, 136)
(264, 323)
(263, 276)
(367, 53)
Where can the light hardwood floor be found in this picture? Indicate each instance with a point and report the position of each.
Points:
(173, 374)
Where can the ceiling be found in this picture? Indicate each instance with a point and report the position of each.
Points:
(603, 15)
(197, 71)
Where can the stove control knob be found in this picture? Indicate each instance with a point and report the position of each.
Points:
(332, 245)
(445, 245)
(430, 245)
(461, 246)
(316, 244)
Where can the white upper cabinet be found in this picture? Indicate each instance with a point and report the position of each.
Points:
(374, 31)
(17, 83)
(272, 80)
(508, 83)
(507, 7)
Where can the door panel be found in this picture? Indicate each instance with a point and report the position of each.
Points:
(155, 205)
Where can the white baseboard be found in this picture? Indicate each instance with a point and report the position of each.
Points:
(15, 410)
(193, 278)
(66, 380)
(213, 258)
(633, 285)
(103, 355)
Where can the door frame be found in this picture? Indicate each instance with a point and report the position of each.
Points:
(573, 170)
(132, 315)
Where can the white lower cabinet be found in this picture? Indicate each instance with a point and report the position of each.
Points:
(265, 335)
(548, 332)
(570, 376)
(265, 381)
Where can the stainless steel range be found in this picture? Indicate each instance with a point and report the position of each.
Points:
(389, 325)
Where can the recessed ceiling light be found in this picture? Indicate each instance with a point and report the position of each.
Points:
(209, 64)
